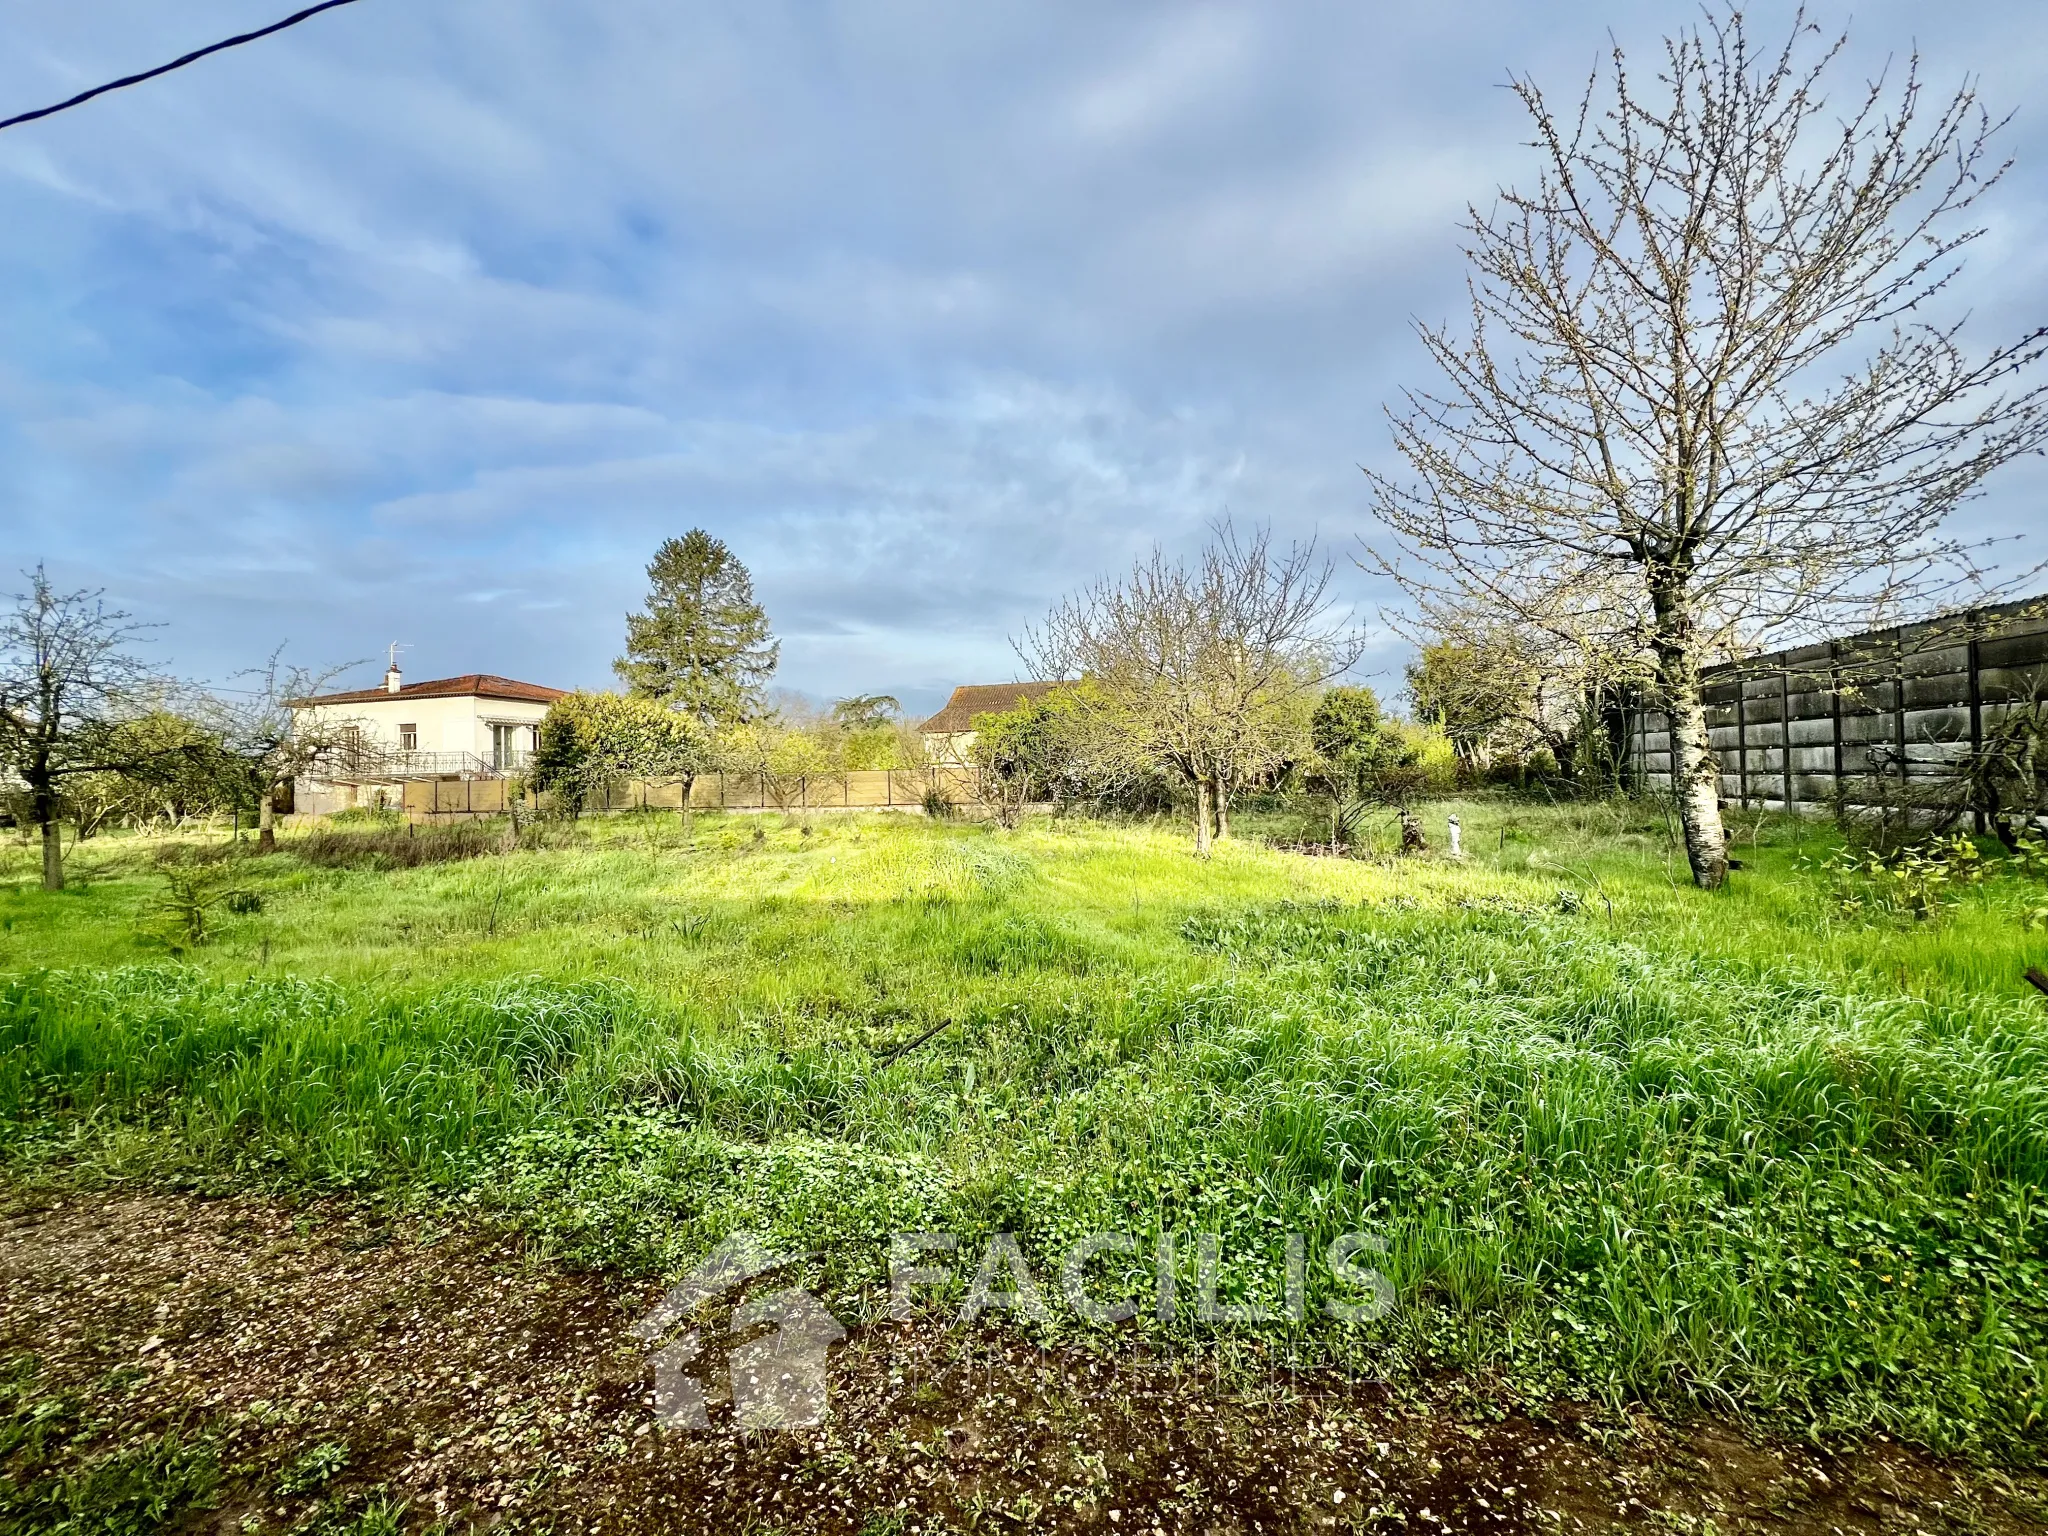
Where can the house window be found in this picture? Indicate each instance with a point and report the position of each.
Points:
(508, 745)
(408, 738)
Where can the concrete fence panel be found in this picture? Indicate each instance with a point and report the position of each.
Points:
(903, 789)
(1812, 727)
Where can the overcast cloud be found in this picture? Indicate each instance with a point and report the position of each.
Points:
(427, 321)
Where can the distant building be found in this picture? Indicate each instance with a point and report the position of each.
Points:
(949, 735)
(473, 726)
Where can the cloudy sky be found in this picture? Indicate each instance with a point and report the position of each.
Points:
(428, 320)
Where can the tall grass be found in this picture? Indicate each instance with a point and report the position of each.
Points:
(1721, 1149)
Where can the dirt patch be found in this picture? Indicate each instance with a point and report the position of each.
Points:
(335, 1364)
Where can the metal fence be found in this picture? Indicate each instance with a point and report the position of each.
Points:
(364, 762)
(1827, 727)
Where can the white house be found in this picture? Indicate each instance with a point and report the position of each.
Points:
(474, 726)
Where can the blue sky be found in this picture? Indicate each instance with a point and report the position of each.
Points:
(428, 320)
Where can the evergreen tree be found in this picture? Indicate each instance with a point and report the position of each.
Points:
(703, 645)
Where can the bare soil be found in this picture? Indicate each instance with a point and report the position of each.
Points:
(444, 1367)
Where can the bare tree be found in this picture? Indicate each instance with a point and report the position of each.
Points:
(271, 743)
(68, 678)
(1204, 671)
(1697, 374)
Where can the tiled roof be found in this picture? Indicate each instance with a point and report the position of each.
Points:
(971, 699)
(479, 685)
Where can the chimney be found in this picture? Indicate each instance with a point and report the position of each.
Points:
(391, 678)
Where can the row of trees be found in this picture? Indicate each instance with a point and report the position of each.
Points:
(90, 733)
(1190, 681)
(1336, 745)
(1196, 681)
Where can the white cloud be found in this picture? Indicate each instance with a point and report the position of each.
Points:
(1191, 57)
(434, 319)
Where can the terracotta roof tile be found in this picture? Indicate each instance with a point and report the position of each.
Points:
(481, 685)
(971, 699)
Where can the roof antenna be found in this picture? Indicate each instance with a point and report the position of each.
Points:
(391, 672)
(395, 649)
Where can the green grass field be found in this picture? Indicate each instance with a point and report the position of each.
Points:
(1624, 1139)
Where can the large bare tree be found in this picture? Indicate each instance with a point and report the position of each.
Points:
(68, 679)
(1704, 372)
(1203, 670)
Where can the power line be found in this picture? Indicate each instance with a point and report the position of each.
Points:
(164, 69)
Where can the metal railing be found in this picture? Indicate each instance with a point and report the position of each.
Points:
(369, 763)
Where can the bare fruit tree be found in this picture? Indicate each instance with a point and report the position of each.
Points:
(1206, 671)
(68, 680)
(1703, 373)
(269, 743)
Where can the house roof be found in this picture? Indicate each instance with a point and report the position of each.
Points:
(971, 699)
(480, 685)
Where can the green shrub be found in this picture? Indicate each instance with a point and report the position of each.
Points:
(1919, 881)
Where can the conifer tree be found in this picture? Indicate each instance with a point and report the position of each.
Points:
(703, 645)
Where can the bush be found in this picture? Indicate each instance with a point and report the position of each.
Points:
(588, 740)
(191, 892)
(1919, 881)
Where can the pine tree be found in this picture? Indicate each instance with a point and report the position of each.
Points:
(703, 645)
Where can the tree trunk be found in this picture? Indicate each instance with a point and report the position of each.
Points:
(1695, 776)
(1222, 810)
(1202, 815)
(1698, 787)
(1565, 750)
(53, 840)
(266, 821)
(1412, 838)
(52, 850)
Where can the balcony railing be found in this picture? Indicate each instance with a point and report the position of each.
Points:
(369, 763)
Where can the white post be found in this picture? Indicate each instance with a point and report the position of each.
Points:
(1456, 851)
